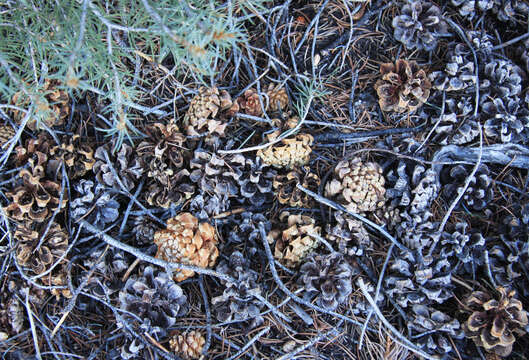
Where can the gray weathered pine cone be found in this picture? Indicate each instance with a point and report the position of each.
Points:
(360, 305)
(459, 72)
(501, 79)
(254, 179)
(246, 228)
(154, 297)
(143, 228)
(471, 8)
(505, 121)
(349, 234)
(419, 25)
(94, 204)
(416, 232)
(329, 278)
(414, 278)
(433, 329)
(207, 205)
(212, 174)
(456, 126)
(510, 10)
(12, 312)
(463, 248)
(479, 192)
(238, 301)
(127, 168)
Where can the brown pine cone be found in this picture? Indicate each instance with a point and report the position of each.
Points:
(186, 241)
(37, 198)
(188, 344)
(288, 153)
(56, 107)
(249, 103)
(295, 242)
(75, 153)
(6, 133)
(493, 323)
(288, 193)
(277, 98)
(404, 86)
(357, 185)
(202, 116)
(34, 149)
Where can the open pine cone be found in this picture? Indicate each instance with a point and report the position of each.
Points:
(349, 234)
(186, 241)
(358, 186)
(188, 344)
(6, 133)
(286, 189)
(94, 203)
(494, 322)
(288, 153)
(329, 277)
(37, 149)
(295, 242)
(479, 192)
(75, 153)
(404, 86)
(202, 117)
(55, 106)
(127, 169)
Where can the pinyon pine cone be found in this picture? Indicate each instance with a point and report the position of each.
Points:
(186, 241)
(455, 126)
(95, 204)
(188, 344)
(249, 103)
(277, 98)
(468, 8)
(288, 153)
(295, 242)
(56, 107)
(459, 72)
(286, 189)
(127, 168)
(37, 149)
(501, 79)
(358, 186)
(404, 86)
(237, 301)
(419, 25)
(76, 154)
(329, 277)
(349, 234)
(6, 133)
(494, 322)
(479, 192)
(204, 109)
(505, 121)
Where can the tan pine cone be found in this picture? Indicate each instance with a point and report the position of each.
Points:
(288, 193)
(6, 133)
(295, 242)
(404, 86)
(37, 198)
(202, 116)
(357, 185)
(56, 107)
(249, 103)
(75, 153)
(34, 149)
(288, 153)
(277, 98)
(494, 322)
(189, 345)
(186, 241)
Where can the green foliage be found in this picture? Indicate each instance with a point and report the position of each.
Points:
(90, 45)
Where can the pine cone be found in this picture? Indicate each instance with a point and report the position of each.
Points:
(55, 106)
(469, 8)
(202, 116)
(247, 228)
(36, 149)
(494, 323)
(207, 205)
(416, 232)
(459, 72)
(188, 344)
(437, 328)
(286, 190)
(94, 204)
(455, 126)
(77, 156)
(6, 133)
(509, 10)
(186, 241)
(124, 165)
(237, 301)
(501, 79)
(289, 153)
(12, 312)
(463, 248)
(37, 198)
(349, 233)
(153, 297)
(419, 25)
(163, 158)
(328, 277)
(358, 186)
(296, 241)
(418, 279)
(359, 304)
(404, 87)
(143, 229)
(277, 98)
(53, 246)
(479, 191)
(250, 104)
(505, 122)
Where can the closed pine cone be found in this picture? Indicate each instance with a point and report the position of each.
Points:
(188, 344)
(76, 154)
(277, 98)
(186, 241)
(250, 104)
(202, 116)
(296, 241)
(404, 86)
(287, 191)
(55, 108)
(357, 185)
(6, 133)
(493, 323)
(288, 153)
